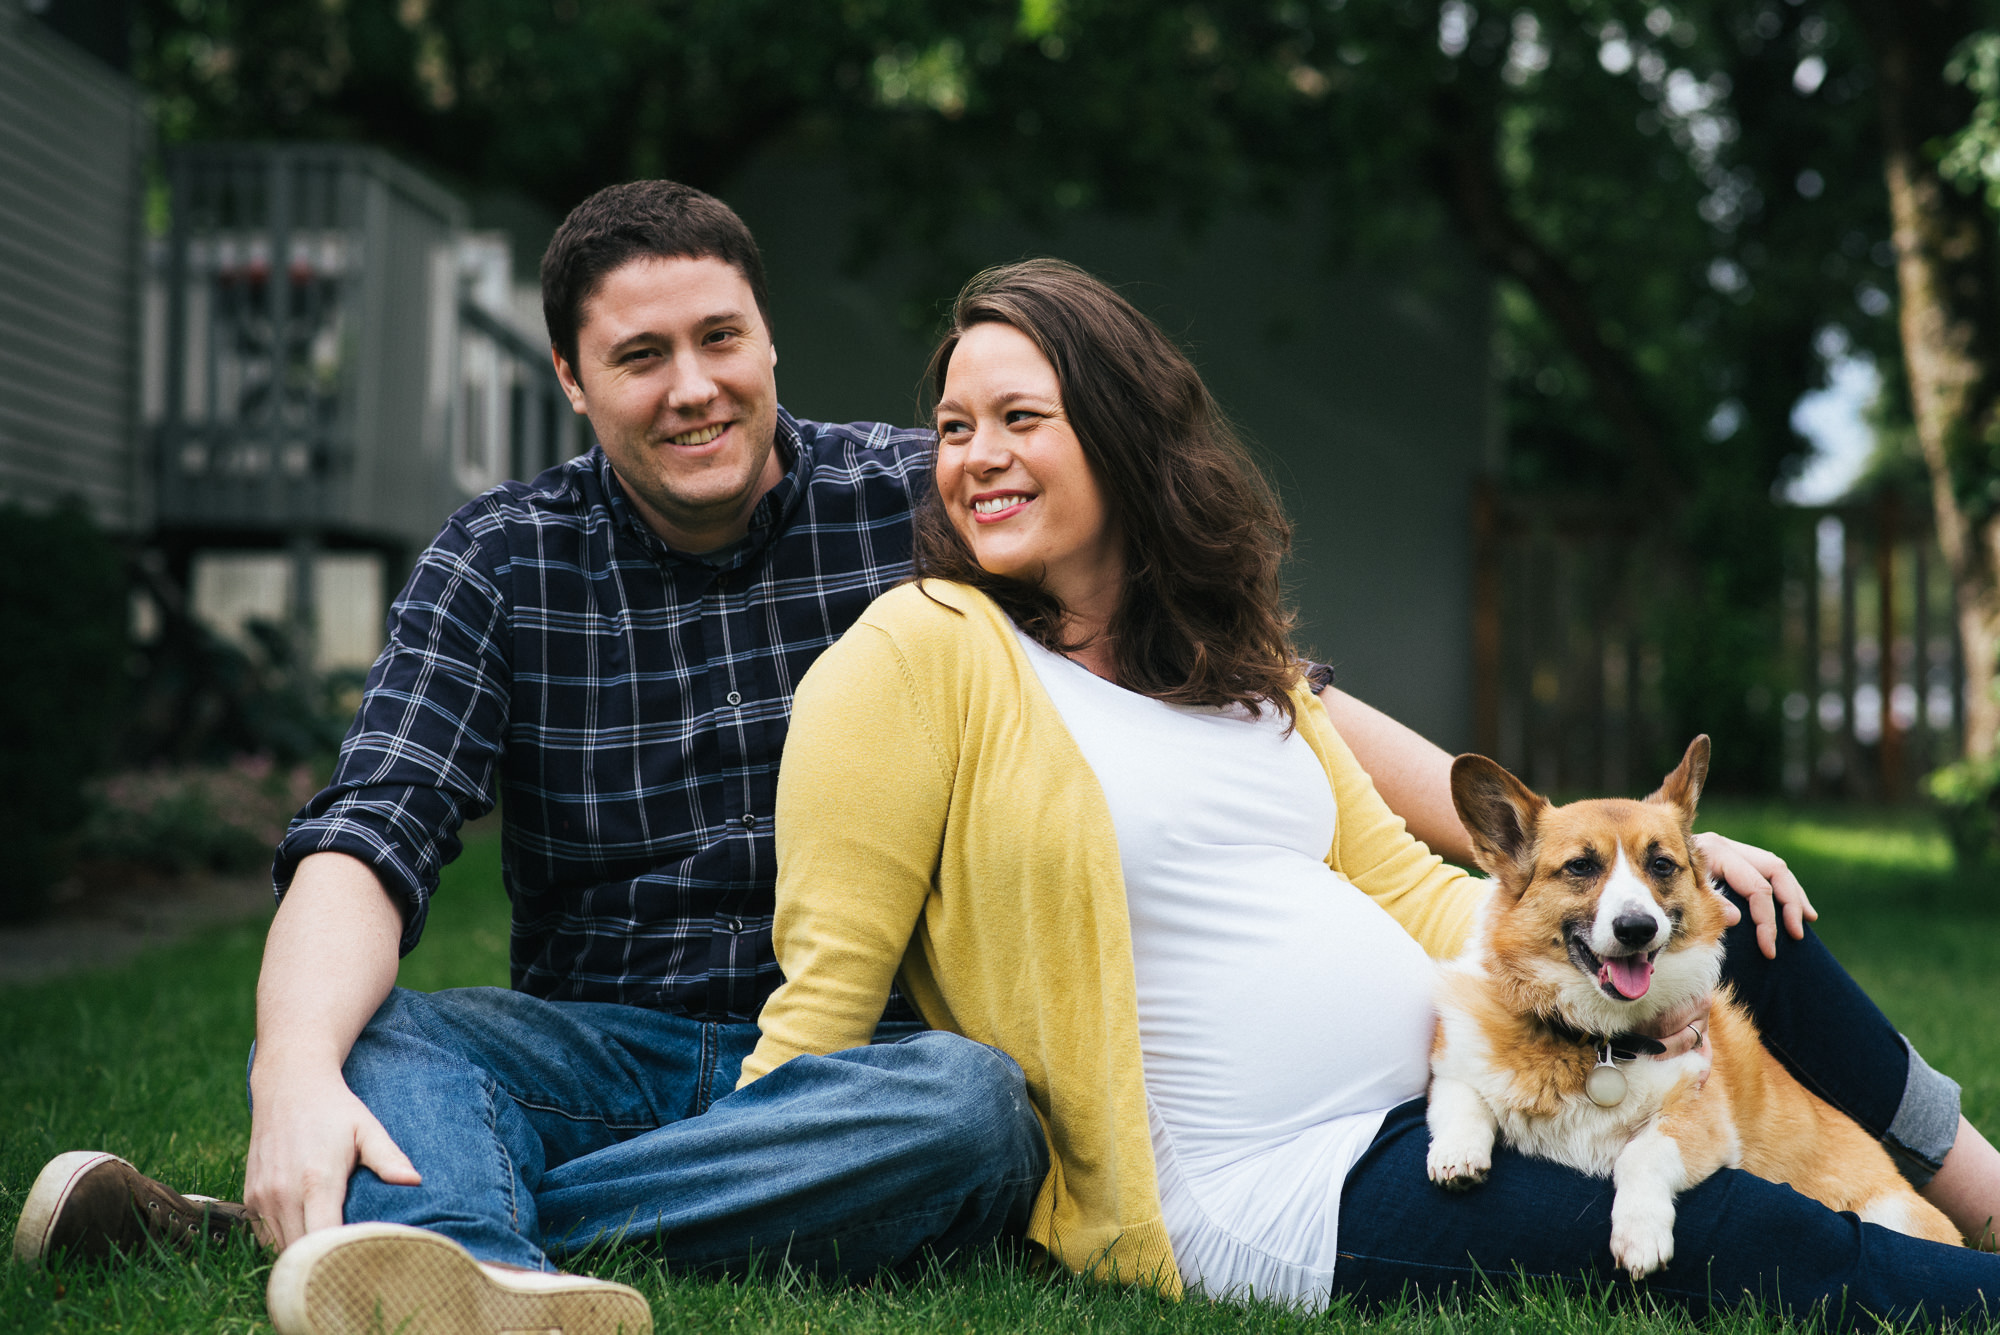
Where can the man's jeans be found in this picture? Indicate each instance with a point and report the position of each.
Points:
(542, 1128)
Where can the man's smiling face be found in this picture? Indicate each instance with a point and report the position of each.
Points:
(676, 371)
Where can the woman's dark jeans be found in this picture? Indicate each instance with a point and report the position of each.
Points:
(1737, 1238)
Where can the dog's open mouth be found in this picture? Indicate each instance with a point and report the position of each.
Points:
(1622, 977)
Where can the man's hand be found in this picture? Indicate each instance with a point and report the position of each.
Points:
(328, 963)
(305, 1139)
(1763, 879)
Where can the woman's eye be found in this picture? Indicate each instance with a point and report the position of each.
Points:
(947, 430)
(1017, 416)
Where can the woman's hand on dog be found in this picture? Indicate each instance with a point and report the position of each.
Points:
(1763, 879)
(1682, 1031)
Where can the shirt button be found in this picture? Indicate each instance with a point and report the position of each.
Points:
(749, 821)
(735, 697)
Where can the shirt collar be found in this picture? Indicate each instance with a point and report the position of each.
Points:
(767, 518)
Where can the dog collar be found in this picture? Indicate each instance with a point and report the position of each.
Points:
(1605, 1086)
(1618, 1047)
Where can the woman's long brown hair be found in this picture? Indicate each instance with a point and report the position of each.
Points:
(1202, 620)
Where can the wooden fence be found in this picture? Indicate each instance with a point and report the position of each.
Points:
(1869, 634)
(1566, 684)
(1569, 668)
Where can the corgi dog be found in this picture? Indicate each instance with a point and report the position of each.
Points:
(1602, 921)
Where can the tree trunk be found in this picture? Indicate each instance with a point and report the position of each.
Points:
(1950, 323)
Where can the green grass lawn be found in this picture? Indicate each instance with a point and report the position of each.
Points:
(147, 1061)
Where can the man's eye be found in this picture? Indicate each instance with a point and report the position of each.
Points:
(719, 336)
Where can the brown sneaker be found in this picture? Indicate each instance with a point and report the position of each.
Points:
(391, 1277)
(86, 1203)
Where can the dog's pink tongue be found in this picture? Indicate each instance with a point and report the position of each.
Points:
(1630, 974)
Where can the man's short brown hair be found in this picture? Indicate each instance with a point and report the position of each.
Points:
(639, 220)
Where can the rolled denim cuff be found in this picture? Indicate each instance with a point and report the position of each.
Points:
(1926, 1122)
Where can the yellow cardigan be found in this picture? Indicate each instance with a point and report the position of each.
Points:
(934, 816)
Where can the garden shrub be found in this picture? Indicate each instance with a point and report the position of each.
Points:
(1966, 796)
(200, 700)
(62, 680)
(192, 818)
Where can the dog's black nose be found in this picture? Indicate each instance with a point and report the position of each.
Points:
(1633, 929)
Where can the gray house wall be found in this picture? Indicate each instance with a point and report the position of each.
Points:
(71, 138)
(1366, 395)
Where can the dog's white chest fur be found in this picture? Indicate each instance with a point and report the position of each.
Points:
(1580, 1134)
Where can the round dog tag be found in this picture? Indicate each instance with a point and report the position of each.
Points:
(1606, 1086)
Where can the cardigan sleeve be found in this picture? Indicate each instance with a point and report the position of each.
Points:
(863, 789)
(1435, 902)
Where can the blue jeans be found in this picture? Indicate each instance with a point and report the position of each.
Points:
(1737, 1238)
(543, 1128)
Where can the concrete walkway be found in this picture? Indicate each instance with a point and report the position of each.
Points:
(106, 928)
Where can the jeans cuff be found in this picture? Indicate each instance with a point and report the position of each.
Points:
(1926, 1122)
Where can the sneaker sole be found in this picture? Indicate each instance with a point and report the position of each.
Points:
(405, 1281)
(46, 1199)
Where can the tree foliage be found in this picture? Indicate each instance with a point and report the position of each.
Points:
(1682, 202)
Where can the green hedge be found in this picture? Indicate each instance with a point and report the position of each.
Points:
(62, 687)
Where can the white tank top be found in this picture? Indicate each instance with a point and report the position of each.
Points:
(1281, 1011)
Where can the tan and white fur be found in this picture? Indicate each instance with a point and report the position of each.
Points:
(1602, 921)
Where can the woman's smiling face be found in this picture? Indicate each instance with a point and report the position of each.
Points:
(1013, 477)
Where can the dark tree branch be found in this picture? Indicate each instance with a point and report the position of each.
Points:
(1468, 181)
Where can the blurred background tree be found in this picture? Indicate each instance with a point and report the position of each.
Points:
(1684, 205)
(1939, 78)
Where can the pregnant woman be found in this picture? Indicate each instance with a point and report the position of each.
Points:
(1070, 788)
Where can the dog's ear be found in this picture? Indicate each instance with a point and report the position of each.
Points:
(1500, 813)
(1683, 786)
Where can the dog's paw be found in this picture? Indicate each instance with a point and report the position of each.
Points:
(1642, 1237)
(1458, 1167)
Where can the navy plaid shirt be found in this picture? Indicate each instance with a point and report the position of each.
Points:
(629, 702)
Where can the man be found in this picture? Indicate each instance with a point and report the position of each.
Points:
(612, 647)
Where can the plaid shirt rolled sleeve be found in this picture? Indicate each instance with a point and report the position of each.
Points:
(630, 704)
(421, 756)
